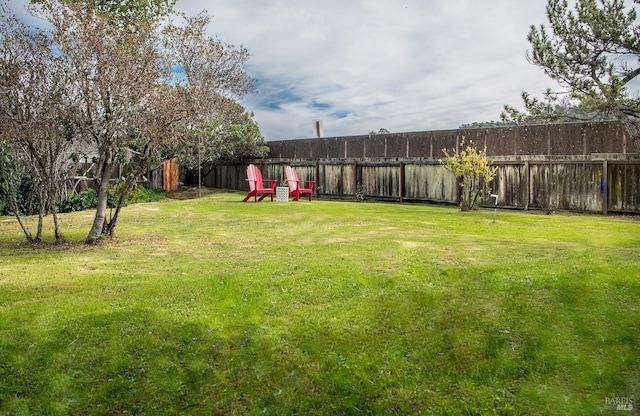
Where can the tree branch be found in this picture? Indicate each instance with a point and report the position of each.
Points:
(631, 75)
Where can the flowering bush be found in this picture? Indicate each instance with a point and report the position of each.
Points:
(473, 171)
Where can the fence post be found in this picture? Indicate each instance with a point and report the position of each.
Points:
(317, 177)
(527, 179)
(604, 186)
(402, 190)
(355, 179)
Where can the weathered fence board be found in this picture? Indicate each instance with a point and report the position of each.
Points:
(575, 185)
(624, 186)
(569, 139)
(511, 184)
(429, 182)
(566, 186)
(170, 181)
(336, 179)
(589, 167)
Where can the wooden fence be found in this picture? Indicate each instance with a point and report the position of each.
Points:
(575, 184)
(170, 181)
(587, 167)
(552, 140)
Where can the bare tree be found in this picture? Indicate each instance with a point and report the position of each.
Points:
(114, 74)
(35, 112)
(200, 78)
(10, 172)
(208, 75)
(122, 86)
(153, 126)
(206, 70)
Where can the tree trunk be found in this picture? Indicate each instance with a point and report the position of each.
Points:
(56, 223)
(40, 223)
(137, 170)
(110, 229)
(14, 207)
(101, 210)
(50, 204)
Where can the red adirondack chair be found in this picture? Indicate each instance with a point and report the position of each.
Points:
(256, 185)
(295, 188)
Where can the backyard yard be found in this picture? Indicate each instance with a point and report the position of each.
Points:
(214, 306)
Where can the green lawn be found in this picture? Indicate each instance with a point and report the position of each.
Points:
(213, 306)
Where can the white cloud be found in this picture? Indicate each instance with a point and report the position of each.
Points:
(404, 65)
(361, 65)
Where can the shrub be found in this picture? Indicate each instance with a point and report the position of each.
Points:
(25, 194)
(80, 201)
(89, 199)
(473, 171)
(145, 193)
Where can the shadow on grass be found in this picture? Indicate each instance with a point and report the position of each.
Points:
(136, 361)
(453, 357)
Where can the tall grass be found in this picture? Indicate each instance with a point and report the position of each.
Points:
(213, 306)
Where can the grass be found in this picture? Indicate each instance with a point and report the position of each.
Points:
(213, 306)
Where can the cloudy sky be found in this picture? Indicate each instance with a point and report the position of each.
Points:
(363, 65)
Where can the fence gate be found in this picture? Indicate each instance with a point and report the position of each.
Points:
(170, 175)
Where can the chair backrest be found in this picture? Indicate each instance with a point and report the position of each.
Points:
(254, 176)
(292, 178)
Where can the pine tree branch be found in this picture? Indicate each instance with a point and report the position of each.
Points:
(631, 75)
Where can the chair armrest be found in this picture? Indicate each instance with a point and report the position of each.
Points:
(273, 182)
